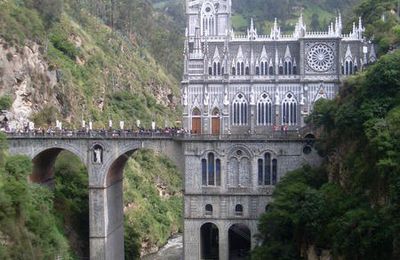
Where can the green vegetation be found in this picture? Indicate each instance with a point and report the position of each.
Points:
(94, 63)
(28, 228)
(317, 13)
(149, 215)
(350, 206)
(71, 202)
(5, 102)
(382, 22)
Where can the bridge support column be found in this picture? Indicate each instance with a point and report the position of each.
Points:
(223, 244)
(106, 222)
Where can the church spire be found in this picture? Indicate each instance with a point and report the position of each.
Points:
(252, 32)
(275, 31)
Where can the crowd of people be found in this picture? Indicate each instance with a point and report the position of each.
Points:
(109, 132)
(88, 131)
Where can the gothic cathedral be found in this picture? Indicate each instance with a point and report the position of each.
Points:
(239, 91)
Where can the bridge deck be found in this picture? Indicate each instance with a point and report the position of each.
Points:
(273, 136)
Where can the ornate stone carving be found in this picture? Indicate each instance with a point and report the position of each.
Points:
(320, 57)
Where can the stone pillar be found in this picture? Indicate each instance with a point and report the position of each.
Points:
(106, 216)
(191, 240)
(223, 243)
(106, 222)
(97, 219)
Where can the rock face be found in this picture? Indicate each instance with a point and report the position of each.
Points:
(25, 75)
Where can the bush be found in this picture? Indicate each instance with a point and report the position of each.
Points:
(5, 102)
(46, 117)
(62, 44)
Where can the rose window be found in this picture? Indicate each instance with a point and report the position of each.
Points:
(320, 57)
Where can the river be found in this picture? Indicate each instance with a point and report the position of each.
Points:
(173, 250)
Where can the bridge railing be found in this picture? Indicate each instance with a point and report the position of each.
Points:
(273, 135)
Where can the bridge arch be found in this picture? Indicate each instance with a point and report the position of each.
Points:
(107, 198)
(43, 161)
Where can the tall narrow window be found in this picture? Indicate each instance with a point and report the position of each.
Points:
(264, 110)
(260, 172)
(211, 171)
(267, 170)
(233, 71)
(240, 110)
(218, 172)
(215, 69)
(289, 110)
(204, 171)
(262, 68)
(274, 171)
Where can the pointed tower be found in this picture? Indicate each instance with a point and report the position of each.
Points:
(275, 31)
(211, 16)
(252, 32)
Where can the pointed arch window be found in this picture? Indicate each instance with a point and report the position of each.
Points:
(208, 24)
(264, 110)
(262, 68)
(271, 70)
(267, 170)
(247, 71)
(211, 170)
(240, 110)
(348, 68)
(258, 71)
(233, 70)
(215, 69)
(280, 70)
(289, 110)
(288, 67)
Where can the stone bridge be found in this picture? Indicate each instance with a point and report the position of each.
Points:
(105, 158)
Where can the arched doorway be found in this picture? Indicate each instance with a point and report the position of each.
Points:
(215, 122)
(209, 241)
(239, 242)
(196, 121)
